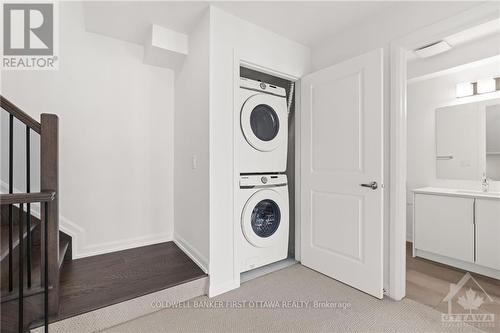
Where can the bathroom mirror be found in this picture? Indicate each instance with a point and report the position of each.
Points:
(468, 141)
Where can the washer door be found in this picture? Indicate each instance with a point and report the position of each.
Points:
(262, 116)
(261, 218)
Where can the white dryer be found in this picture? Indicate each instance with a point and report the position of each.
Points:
(263, 134)
(263, 226)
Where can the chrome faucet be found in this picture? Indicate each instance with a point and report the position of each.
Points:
(485, 183)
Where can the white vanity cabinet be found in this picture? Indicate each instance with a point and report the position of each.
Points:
(458, 228)
(488, 233)
(445, 225)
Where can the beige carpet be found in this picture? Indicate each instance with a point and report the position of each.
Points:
(295, 283)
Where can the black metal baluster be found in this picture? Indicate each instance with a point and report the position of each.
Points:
(11, 188)
(28, 208)
(46, 268)
(21, 269)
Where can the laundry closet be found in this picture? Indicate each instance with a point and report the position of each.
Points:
(265, 159)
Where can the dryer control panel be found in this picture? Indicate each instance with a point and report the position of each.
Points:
(248, 181)
(262, 86)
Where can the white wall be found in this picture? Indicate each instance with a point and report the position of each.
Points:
(229, 34)
(424, 97)
(116, 137)
(191, 176)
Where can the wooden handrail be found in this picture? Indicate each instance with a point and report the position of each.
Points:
(22, 198)
(20, 115)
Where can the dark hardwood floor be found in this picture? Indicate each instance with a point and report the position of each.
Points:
(94, 282)
(428, 282)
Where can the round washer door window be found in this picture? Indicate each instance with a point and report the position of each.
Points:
(262, 217)
(264, 121)
(266, 217)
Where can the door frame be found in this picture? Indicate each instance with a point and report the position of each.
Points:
(237, 62)
(398, 132)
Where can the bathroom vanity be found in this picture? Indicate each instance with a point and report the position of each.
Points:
(460, 228)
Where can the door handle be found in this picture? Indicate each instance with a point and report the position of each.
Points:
(372, 185)
(444, 157)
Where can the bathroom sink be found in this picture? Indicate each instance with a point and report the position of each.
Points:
(470, 192)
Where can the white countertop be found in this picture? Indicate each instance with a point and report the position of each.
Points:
(457, 192)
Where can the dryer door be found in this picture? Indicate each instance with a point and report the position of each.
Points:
(264, 121)
(261, 218)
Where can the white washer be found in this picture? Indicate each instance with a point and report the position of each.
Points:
(263, 134)
(264, 224)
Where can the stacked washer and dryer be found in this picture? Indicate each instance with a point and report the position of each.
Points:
(263, 187)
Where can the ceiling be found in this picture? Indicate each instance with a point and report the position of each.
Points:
(477, 32)
(131, 20)
(306, 22)
(467, 36)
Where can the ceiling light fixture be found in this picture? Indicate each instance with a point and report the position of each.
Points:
(486, 86)
(465, 89)
(482, 86)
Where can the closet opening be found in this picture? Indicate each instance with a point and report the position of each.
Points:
(265, 163)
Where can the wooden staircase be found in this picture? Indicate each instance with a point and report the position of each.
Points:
(33, 287)
(41, 284)
(32, 249)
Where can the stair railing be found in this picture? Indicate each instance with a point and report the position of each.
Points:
(47, 198)
(47, 128)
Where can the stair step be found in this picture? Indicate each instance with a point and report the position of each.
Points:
(33, 296)
(63, 249)
(36, 273)
(34, 290)
(36, 268)
(108, 316)
(4, 235)
(4, 213)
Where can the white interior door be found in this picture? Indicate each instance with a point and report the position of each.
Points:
(341, 149)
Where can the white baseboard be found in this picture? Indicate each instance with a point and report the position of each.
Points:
(122, 244)
(192, 252)
(267, 269)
